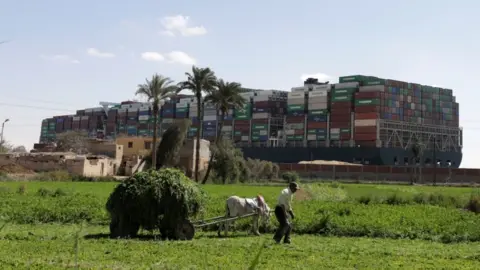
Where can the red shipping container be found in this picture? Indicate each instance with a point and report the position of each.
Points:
(295, 119)
(365, 136)
(241, 128)
(344, 137)
(366, 109)
(361, 130)
(313, 125)
(370, 115)
(368, 95)
(340, 125)
(341, 110)
(259, 121)
(340, 118)
(342, 104)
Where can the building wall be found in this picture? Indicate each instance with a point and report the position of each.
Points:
(135, 145)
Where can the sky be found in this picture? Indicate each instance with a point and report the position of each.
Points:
(61, 56)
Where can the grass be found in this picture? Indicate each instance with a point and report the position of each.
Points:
(53, 247)
(360, 226)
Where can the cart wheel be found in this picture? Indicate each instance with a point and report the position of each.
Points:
(185, 230)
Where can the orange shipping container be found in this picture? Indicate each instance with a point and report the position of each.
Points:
(363, 130)
(365, 137)
(314, 125)
(340, 125)
(369, 115)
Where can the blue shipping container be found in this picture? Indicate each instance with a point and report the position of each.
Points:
(209, 133)
(181, 115)
(209, 128)
(262, 138)
(144, 113)
(296, 113)
(317, 118)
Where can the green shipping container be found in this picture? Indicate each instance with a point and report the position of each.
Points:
(345, 98)
(344, 91)
(374, 82)
(367, 102)
(318, 112)
(296, 107)
(182, 109)
(352, 78)
(344, 130)
(259, 126)
(295, 138)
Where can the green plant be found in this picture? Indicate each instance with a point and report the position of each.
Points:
(290, 177)
(473, 205)
(153, 199)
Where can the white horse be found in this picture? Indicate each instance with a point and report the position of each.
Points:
(236, 206)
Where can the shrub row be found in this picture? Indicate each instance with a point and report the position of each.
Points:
(328, 211)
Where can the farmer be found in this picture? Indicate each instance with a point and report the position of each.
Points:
(283, 207)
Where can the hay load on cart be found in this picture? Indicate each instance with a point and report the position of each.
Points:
(163, 200)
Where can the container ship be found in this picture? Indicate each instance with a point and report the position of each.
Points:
(362, 119)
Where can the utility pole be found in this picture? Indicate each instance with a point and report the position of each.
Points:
(435, 160)
(3, 126)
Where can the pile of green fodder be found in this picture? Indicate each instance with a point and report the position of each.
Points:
(154, 199)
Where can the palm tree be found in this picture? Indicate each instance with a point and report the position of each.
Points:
(157, 90)
(199, 81)
(225, 96)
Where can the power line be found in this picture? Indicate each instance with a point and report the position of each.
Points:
(35, 107)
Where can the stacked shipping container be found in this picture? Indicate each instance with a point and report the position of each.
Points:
(242, 118)
(210, 122)
(342, 103)
(266, 105)
(317, 116)
(193, 114)
(295, 119)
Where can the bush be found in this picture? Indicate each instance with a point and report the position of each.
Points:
(153, 199)
(290, 177)
(473, 204)
(58, 175)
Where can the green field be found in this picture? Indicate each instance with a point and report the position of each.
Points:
(343, 226)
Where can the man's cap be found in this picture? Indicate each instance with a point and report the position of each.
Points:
(293, 185)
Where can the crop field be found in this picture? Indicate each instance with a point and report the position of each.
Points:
(55, 225)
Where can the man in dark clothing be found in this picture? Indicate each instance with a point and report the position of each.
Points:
(283, 207)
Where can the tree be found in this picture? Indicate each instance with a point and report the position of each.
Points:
(5, 147)
(73, 141)
(19, 149)
(199, 81)
(417, 151)
(156, 90)
(225, 96)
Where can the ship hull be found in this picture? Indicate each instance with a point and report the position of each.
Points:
(370, 156)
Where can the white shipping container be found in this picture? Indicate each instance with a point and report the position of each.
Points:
(319, 93)
(261, 98)
(263, 132)
(289, 132)
(259, 115)
(245, 138)
(143, 117)
(210, 113)
(123, 110)
(84, 118)
(296, 101)
(295, 126)
(76, 118)
(182, 105)
(334, 130)
(293, 95)
(247, 95)
(317, 106)
(144, 109)
(167, 120)
(346, 85)
(299, 89)
(209, 117)
(312, 137)
(322, 87)
(125, 106)
(366, 122)
(227, 128)
(372, 88)
(88, 110)
(318, 99)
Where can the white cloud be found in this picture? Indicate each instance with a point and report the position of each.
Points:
(174, 57)
(96, 53)
(180, 24)
(60, 58)
(181, 58)
(322, 77)
(152, 56)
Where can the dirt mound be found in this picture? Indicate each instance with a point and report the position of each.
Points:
(328, 162)
(302, 195)
(14, 168)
